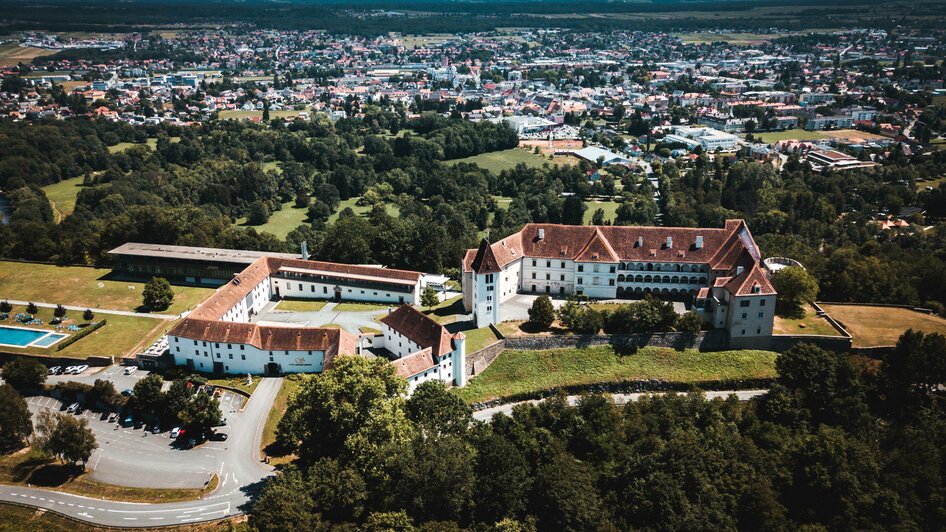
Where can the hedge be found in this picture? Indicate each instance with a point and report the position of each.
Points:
(80, 335)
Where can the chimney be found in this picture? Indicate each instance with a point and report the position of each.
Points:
(739, 270)
(541, 234)
(699, 242)
(669, 242)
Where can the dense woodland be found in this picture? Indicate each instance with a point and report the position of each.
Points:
(423, 212)
(830, 447)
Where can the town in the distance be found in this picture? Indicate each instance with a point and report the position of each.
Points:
(487, 267)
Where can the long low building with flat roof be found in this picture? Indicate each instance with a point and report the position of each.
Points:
(186, 264)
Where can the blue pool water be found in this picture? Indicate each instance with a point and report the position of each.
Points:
(23, 337)
(50, 339)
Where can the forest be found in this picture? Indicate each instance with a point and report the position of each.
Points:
(831, 446)
(421, 212)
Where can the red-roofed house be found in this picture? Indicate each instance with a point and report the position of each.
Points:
(718, 269)
(425, 350)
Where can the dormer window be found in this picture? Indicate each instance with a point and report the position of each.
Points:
(756, 288)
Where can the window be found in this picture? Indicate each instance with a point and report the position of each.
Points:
(300, 286)
(578, 281)
(610, 282)
(313, 288)
(581, 267)
(241, 347)
(548, 277)
(489, 278)
(563, 264)
(231, 356)
(761, 314)
(533, 263)
(218, 355)
(761, 302)
(612, 269)
(229, 346)
(744, 303)
(595, 268)
(242, 357)
(548, 264)
(533, 275)
(745, 315)
(563, 276)
(595, 281)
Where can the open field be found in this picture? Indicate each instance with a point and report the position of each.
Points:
(446, 312)
(13, 53)
(300, 305)
(121, 335)
(62, 196)
(289, 387)
(730, 38)
(516, 372)
(498, 161)
(246, 115)
(789, 134)
(810, 324)
(351, 203)
(610, 210)
(420, 41)
(281, 222)
(851, 134)
(28, 467)
(876, 326)
(151, 143)
(84, 287)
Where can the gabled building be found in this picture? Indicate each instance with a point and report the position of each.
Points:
(717, 269)
(425, 350)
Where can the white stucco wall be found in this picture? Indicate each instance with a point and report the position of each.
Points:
(241, 358)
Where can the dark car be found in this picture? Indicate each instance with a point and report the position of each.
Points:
(139, 423)
(218, 436)
(127, 392)
(128, 421)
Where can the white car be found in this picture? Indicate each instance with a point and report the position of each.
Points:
(175, 432)
(80, 369)
(70, 370)
(130, 369)
(73, 408)
(54, 370)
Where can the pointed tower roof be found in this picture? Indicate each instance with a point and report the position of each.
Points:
(485, 261)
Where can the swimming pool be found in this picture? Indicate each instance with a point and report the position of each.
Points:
(22, 337)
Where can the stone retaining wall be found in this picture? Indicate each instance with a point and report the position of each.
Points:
(704, 341)
(477, 361)
(50, 361)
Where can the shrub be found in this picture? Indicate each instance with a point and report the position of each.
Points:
(85, 331)
(542, 313)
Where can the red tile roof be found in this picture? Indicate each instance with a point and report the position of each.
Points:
(414, 363)
(420, 329)
(754, 277)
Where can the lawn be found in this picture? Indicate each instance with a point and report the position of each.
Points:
(446, 312)
(351, 306)
(236, 382)
(121, 335)
(85, 287)
(350, 203)
(28, 467)
(498, 161)
(878, 326)
(789, 134)
(281, 222)
(610, 210)
(517, 372)
(810, 324)
(477, 339)
(13, 53)
(268, 443)
(62, 196)
(300, 305)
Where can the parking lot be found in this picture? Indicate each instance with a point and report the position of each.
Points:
(137, 457)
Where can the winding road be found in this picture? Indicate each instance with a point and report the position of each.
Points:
(240, 473)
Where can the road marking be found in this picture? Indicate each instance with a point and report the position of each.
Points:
(130, 518)
(155, 518)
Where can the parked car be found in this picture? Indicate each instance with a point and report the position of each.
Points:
(130, 369)
(128, 392)
(156, 429)
(54, 370)
(112, 417)
(176, 432)
(128, 421)
(218, 436)
(73, 408)
(80, 369)
(70, 370)
(222, 422)
(139, 423)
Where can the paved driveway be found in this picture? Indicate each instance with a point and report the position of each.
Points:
(236, 461)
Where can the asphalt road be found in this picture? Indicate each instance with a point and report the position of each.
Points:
(619, 398)
(236, 462)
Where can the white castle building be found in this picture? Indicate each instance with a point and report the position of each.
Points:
(717, 269)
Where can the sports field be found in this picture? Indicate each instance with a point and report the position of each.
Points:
(789, 134)
(873, 326)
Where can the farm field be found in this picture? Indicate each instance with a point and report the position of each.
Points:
(281, 222)
(498, 161)
(62, 196)
(731, 38)
(121, 335)
(877, 326)
(84, 287)
(810, 324)
(517, 372)
(13, 53)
